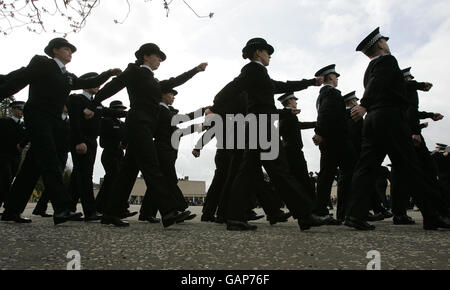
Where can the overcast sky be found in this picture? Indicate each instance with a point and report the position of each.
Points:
(307, 35)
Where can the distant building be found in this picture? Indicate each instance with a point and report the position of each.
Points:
(194, 191)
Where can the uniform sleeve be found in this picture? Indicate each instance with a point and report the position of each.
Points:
(108, 112)
(192, 115)
(110, 89)
(178, 81)
(90, 83)
(75, 109)
(307, 125)
(425, 115)
(292, 86)
(20, 78)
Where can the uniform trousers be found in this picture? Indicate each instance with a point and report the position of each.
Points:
(41, 160)
(386, 132)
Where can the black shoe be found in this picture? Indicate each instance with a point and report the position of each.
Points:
(309, 221)
(387, 214)
(112, 220)
(173, 217)
(15, 218)
(150, 219)
(240, 226)
(358, 224)
(403, 220)
(253, 216)
(435, 223)
(375, 217)
(42, 214)
(64, 216)
(282, 217)
(93, 217)
(189, 217)
(207, 218)
(330, 221)
(78, 217)
(128, 214)
(220, 219)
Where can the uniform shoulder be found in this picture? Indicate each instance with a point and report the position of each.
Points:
(253, 67)
(326, 90)
(385, 60)
(40, 59)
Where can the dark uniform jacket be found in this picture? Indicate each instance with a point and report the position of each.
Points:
(81, 129)
(414, 116)
(331, 116)
(14, 133)
(260, 88)
(253, 92)
(384, 85)
(164, 131)
(443, 165)
(290, 130)
(49, 87)
(144, 92)
(112, 132)
(354, 131)
(64, 134)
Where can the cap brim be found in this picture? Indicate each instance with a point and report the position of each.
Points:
(270, 49)
(252, 48)
(162, 55)
(118, 107)
(49, 49)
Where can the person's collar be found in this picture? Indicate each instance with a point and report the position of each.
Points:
(164, 105)
(147, 67)
(60, 64)
(64, 116)
(17, 120)
(378, 56)
(328, 85)
(257, 61)
(87, 95)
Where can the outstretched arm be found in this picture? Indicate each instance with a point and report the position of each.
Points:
(181, 79)
(94, 82)
(294, 86)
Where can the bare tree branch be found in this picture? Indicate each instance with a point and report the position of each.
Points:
(38, 16)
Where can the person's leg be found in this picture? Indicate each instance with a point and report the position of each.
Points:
(84, 178)
(328, 169)
(222, 160)
(24, 184)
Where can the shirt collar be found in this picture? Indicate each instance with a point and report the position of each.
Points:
(17, 120)
(60, 64)
(147, 67)
(257, 61)
(376, 57)
(64, 116)
(164, 105)
(87, 95)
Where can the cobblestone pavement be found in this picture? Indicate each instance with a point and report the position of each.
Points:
(195, 245)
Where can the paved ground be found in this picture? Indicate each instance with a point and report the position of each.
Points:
(199, 246)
